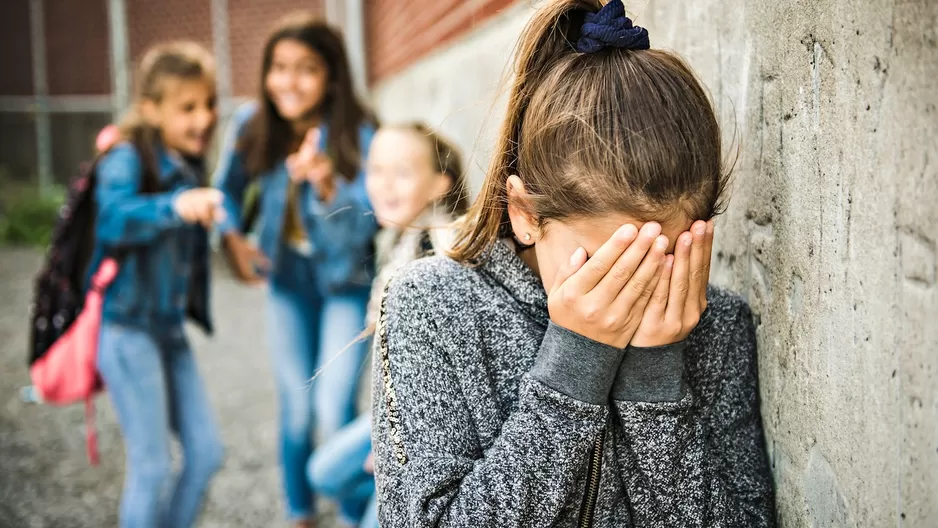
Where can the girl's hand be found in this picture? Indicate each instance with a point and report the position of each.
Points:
(309, 164)
(681, 295)
(300, 162)
(603, 298)
(322, 175)
(369, 465)
(245, 259)
(201, 205)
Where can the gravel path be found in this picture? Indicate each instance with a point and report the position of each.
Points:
(45, 479)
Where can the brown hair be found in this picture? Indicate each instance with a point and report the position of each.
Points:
(615, 131)
(445, 159)
(268, 136)
(174, 60)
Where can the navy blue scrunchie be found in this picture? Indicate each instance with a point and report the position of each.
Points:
(610, 28)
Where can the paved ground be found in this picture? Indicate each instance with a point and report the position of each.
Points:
(45, 480)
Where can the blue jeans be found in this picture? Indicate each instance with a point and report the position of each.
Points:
(337, 471)
(156, 389)
(311, 336)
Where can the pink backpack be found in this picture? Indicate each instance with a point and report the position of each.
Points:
(67, 372)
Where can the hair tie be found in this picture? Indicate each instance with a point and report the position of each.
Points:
(610, 28)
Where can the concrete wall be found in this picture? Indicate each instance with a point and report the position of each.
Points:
(831, 233)
(459, 88)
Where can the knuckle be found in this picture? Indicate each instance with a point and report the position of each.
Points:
(639, 285)
(567, 298)
(683, 287)
(691, 320)
(591, 313)
(674, 328)
(622, 273)
(598, 265)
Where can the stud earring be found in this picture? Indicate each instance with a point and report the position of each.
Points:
(527, 237)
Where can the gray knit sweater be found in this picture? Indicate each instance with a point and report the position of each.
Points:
(486, 415)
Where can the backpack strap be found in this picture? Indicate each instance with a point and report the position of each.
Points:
(91, 432)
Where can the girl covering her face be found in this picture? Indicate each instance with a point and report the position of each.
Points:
(568, 364)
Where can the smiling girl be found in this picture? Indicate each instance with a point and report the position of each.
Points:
(305, 142)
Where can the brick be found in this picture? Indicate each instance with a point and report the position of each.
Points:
(250, 22)
(77, 47)
(16, 59)
(151, 22)
(399, 33)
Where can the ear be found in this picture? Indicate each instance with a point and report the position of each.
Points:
(149, 111)
(441, 185)
(523, 222)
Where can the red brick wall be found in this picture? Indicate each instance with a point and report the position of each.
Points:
(152, 21)
(16, 73)
(249, 23)
(398, 32)
(77, 47)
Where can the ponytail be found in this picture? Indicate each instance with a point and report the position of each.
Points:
(598, 123)
(548, 38)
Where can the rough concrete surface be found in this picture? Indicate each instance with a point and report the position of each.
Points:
(831, 233)
(45, 479)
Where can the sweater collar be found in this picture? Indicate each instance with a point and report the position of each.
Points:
(508, 270)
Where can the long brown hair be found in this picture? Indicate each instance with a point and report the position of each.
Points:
(174, 60)
(445, 159)
(268, 136)
(615, 131)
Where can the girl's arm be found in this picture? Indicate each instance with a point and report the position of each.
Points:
(679, 470)
(429, 467)
(125, 216)
(346, 225)
(231, 176)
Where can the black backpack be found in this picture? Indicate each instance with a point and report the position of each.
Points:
(59, 292)
(60, 286)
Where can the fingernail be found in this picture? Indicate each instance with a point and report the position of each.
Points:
(628, 232)
(710, 227)
(575, 257)
(661, 242)
(651, 229)
(700, 228)
(687, 240)
(669, 261)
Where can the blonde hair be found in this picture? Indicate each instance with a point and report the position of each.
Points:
(445, 159)
(174, 60)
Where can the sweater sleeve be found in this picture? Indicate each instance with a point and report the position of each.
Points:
(430, 468)
(689, 461)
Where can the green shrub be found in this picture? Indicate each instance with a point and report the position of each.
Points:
(28, 218)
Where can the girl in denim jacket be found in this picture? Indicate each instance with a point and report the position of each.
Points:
(153, 212)
(303, 144)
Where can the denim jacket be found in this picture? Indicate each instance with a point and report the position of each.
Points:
(340, 232)
(164, 262)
